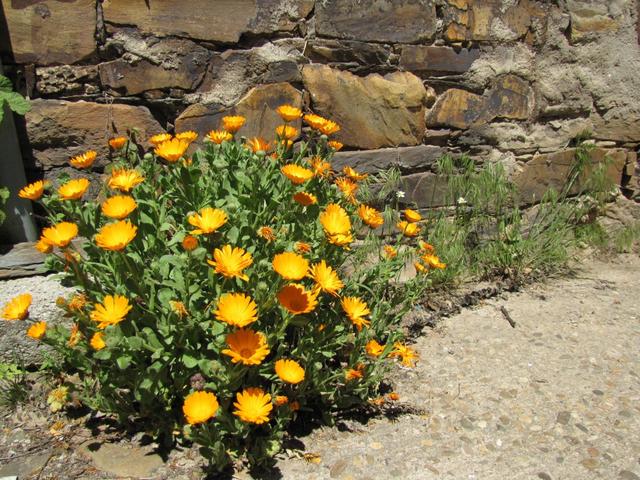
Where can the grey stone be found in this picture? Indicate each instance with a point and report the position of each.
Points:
(437, 60)
(425, 190)
(406, 159)
(122, 460)
(563, 417)
(67, 80)
(25, 466)
(628, 475)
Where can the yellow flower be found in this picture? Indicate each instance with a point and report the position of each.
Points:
(60, 234)
(198, 407)
(356, 310)
(233, 123)
(17, 308)
(253, 405)
(189, 243)
(302, 247)
(408, 229)
(287, 132)
(280, 400)
(354, 374)
(74, 335)
(159, 138)
(314, 121)
(119, 206)
(77, 302)
(420, 268)
(289, 371)
(373, 348)
(289, 113)
(208, 220)
(97, 341)
(124, 180)
(246, 347)
(348, 188)
(337, 146)
(73, 189)
(236, 309)
(116, 236)
(231, 262)
(304, 198)
(433, 261)
(326, 278)
(290, 266)
(407, 355)
(370, 216)
(189, 136)
(412, 216)
(219, 136)
(33, 191)
(390, 252)
(296, 299)
(117, 142)
(321, 168)
(43, 246)
(353, 175)
(266, 233)
(37, 330)
(178, 308)
(85, 160)
(258, 144)
(111, 311)
(427, 247)
(329, 127)
(297, 174)
(336, 224)
(172, 150)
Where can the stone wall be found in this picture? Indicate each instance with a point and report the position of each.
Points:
(513, 81)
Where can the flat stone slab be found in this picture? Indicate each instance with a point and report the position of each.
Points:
(21, 260)
(123, 460)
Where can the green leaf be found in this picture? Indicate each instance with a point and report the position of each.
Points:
(189, 361)
(5, 84)
(123, 362)
(16, 102)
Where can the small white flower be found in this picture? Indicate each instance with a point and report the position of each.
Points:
(461, 201)
(400, 194)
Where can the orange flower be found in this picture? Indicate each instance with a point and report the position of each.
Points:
(337, 146)
(266, 233)
(354, 374)
(17, 308)
(287, 132)
(326, 278)
(233, 123)
(390, 252)
(412, 216)
(370, 216)
(302, 247)
(112, 310)
(433, 261)
(253, 405)
(329, 127)
(321, 168)
(294, 406)
(97, 341)
(336, 224)
(393, 396)
(290, 266)
(119, 206)
(178, 308)
(159, 138)
(116, 236)
(289, 113)
(356, 309)
(280, 400)
(296, 299)
(427, 247)
(198, 407)
(348, 188)
(353, 175)
(189, 136)
(219, 136)
(85, 160)
(189, 243)
(43, 246)
(207, 221)
(314, 121)
(60, 234)
(373, 348)
(124, 180)
(73, 189)
(420, 268)
(246, 347)
(231, 262)
(37, 330)
(297, 174)
(258, 144)
(74, 335)
(408, 229)
(117, 142)
(236, 309)
(172, 150)
(408, 356)
(33, 191)
(289, 371)
(304, 198)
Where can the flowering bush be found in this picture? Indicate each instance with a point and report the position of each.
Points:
(224, 289)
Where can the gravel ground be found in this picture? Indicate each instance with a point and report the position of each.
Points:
(556, 397)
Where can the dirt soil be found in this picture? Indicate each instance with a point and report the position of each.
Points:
(555, 397)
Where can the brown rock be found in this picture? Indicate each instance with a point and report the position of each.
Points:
(418, 58)
(35, 30)
(67, 80)
(224, 21)
(258, 106)
(404, 21)
(374, 111)
(551, 171)
(58, 130)
(406, 159)
(620, 125)
(426, 190)
(511, 97)
(347, 51)
(589, 20)
(456, 108)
